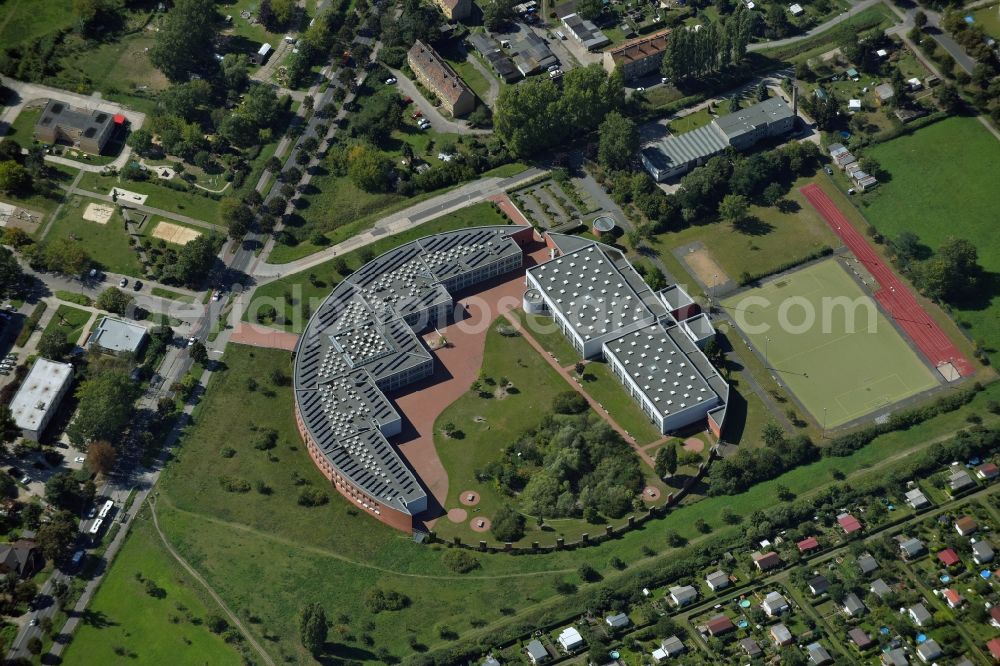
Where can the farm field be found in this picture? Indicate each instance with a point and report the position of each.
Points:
(69, 320)
(957, 156)
(107, 244)
(290, 294)
(840, 366)
(123, 615)
(331, 554)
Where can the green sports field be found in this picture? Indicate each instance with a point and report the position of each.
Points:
(847, 370)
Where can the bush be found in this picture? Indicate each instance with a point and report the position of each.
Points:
(231, 484)
(508, 524)
(459, 561)
(569, 402)
(378, 600)
(313, 497)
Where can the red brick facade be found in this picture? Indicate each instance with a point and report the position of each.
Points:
(388, 515)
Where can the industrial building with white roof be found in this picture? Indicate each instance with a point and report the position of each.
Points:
(36, 402)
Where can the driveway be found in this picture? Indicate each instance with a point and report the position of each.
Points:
(440, 124)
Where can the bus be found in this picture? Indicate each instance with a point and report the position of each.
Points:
(96, 527)
(103, 513)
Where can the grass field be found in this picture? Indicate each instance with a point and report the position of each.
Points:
(69, 320)
(839, 369)
(988, 18)
(186, 203)
(168, 629)
(26, 20)
(605, 388)
(304, 290)
(776, 238)
(107, 244)
(944, 184)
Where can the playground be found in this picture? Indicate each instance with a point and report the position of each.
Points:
(821, 333)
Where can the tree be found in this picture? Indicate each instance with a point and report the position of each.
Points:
(370, 169)
(949, 99)
(14, 178)
(182, 40)
(65, 256)
(508, 524)
(235, 72)
(184, 99)
(141, 141)
(54, 344)
(953, 273)
(63, 491)
(11, 274)
(9, 431)
(193, 262)
(199, 354)
(313, 628)
(496, 13)
(772, 435)
(666, 460)
(237, 217)
(115, 300)
(618, 141)
(569, 402)
(101, 457)
(589, 9)
(920, 19)
(56, 537)
(734, 208)
(105, 407)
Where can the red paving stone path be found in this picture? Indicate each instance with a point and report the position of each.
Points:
(457, 515)
(894, 296)
(568, 376)
(262, 336)
(456, 367)
(694, 445)
(507, 206)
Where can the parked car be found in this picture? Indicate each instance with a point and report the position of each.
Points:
(123, 282)
(828, 170)
(137, 286)
(80, 459)
(391, 80)
(191, 340)
(25, 479)
(216, 295)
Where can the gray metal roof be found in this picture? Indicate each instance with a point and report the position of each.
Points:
(117, 335)
(678, 149)
(746, 120)
(585, 31)
(37, 396)
(360, 338)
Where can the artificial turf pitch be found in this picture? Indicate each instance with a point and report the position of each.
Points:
(849, 369)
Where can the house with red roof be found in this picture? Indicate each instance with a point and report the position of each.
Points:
(849, 523)
(995, 616)
(808, 545)
(948, 557)
(953, 598)
(988, 472)
(719, 625)
(966, 525)
(767, 561)
(994, 647)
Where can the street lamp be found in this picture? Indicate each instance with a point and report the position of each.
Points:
(767, 366)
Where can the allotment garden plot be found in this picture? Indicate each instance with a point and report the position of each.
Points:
(848, 362)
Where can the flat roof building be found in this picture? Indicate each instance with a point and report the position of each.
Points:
(637, 57)
(88, 130)
(37, 400)
(362, 342)
(117, 335)
(501, 64)
(532, 54)
(585, 32)
(432, 71)
(679, 153)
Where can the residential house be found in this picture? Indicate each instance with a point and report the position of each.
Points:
(22, 558)
(808, 545)
(895, 657)
(750, 647)
(766, 561)
(455, 10)
(774, 604)
(848, 523)
(683, 594)
(880, 588)
(537, 653)
(618, 621)
(818, 655)
(994, 647)
(916, 499)
(719, 625)
(928, 651)
(781, 635)
(911, 548)
(488, 48)
(491, 661)
(818, 585)
(995, 617)
(988, 472)
(982, 552)
(949, 557)
(796, 9)
(867, 564)
(884, 93)
(860, 638)
(920, 615)
(570, 639)
(438, 76)
(959, 481)
(89, 130)
(717, 580)
(669, 648)
(637, 57)
(966, 525)
(853, 606)
(953, 598)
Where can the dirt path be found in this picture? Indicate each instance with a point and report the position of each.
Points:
(198, 577)
(241, 527)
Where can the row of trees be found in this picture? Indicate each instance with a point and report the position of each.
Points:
(951, 274)
(709, 49)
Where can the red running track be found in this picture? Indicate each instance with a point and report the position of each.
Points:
(894, 296)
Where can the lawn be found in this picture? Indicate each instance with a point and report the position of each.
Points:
(840, 366)
(107, 244)
(333, 555)
(944, 184)
(988, 18)
(605, 388)
(291, 293)
(23, 21)
(772, 239)
(459, 58)
(173, 295)
(69, 320)
(121, 65)
(159, 196)
(154, 630)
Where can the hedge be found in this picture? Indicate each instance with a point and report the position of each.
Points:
(30, 324)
